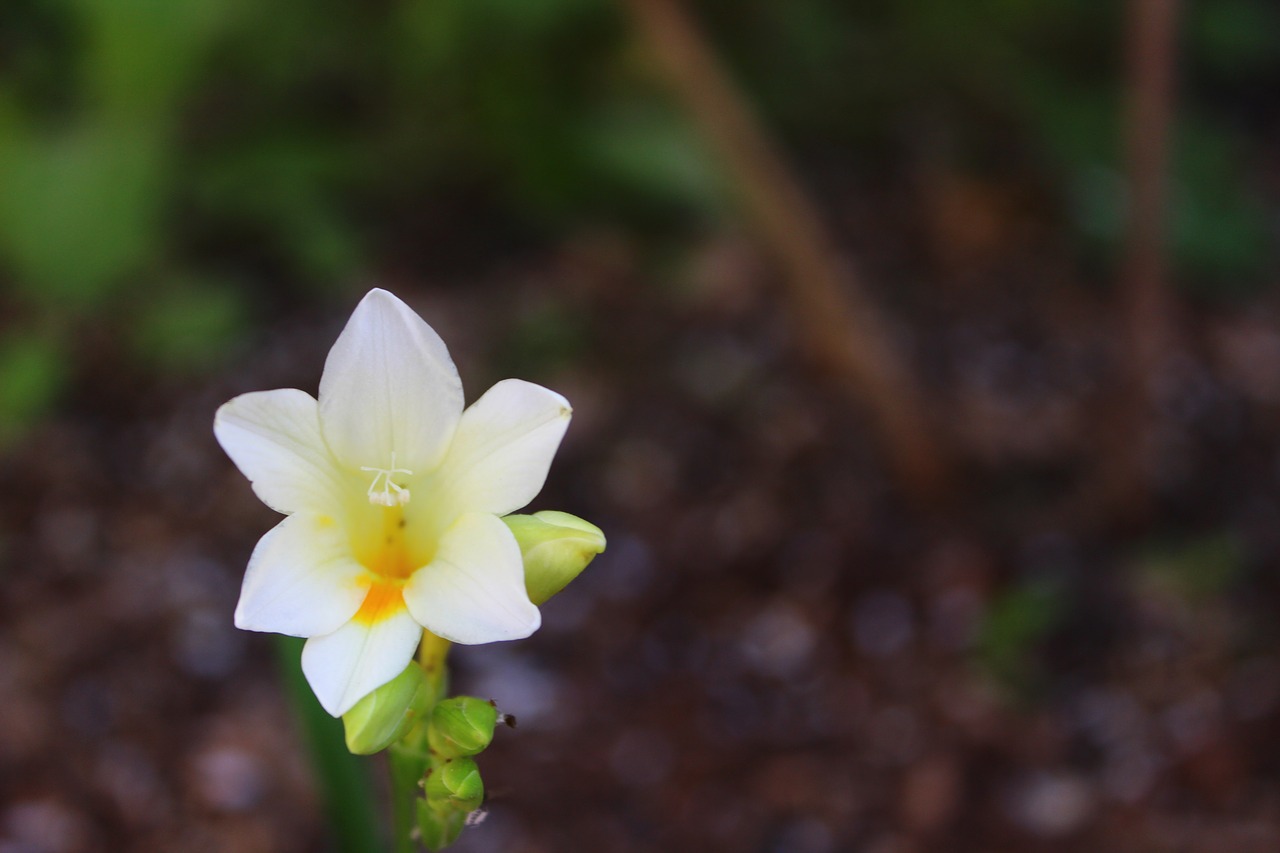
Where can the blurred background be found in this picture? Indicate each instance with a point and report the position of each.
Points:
(926, 367)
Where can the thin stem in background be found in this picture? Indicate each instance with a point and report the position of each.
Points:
(845, 332)
(343, 778)
(1151, 48)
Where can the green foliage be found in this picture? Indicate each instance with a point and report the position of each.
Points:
(281, 119)
(1197, 569)
(957, 82)
(1218, 221)
(142, 55)
(1018, 620)
(79, 210)
(651, 156)
(83, 199)
(32, 370)
(1235, 37)
(139, 136)
(546, 335)
(343, 779)
(1220, 227)
(189, 326)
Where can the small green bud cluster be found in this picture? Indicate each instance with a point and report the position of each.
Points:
(438, 828)
(433, 740)
(456, 785)
(460, 727)
(453, 790)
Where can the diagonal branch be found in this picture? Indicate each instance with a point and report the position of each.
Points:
(1151, 59)
(843, 329)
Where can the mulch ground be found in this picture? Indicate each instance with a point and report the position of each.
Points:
(778, 652)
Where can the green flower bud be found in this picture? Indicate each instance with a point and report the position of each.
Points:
(461, 725)
(556, 547)
(386, 715)
(456, 782)
(439, 826)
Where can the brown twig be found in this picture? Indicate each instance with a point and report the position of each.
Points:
(1147, 303)
(1153, 30)
(842, 328)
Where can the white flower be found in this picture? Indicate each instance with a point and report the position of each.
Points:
(392, 495)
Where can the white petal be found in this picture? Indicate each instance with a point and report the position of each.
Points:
(358, 658)
(274, 439)
(301, 580)
(503, 449)
(473, 591)
(389, 386)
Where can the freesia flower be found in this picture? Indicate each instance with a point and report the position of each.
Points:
(392, 495)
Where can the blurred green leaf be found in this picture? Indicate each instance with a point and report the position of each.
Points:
(284, 185)
(529, 20)
(1014, 626)
(80, 210)
(33, 370)
(343, 778)
(189, 325)
(142, 54)
(1218, 228)
(546, 336)
(277, 137)
(1196, 569)
(653, 155)
(1235, 37)
(1220, 224)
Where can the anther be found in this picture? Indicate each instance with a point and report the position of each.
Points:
(392, 493)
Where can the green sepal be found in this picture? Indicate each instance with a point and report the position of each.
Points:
(456, 783)
(556, 547)
(461, 725)
(388, 713)
(439, 826)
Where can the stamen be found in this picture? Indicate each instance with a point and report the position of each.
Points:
(392, 493)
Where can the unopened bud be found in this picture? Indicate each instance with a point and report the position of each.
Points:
(556, 547)
(461, 725)
(386, 715)
(438, 825)
(456, 782)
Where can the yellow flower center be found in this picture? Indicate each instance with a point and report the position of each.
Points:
(390, 560)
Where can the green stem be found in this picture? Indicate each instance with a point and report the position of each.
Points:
(407, 766)
(410, 758)
(431, 654)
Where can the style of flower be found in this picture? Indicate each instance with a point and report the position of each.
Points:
(392, 495)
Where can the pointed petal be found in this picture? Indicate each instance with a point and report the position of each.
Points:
(358, 658)
(503, 449)
(389, 386)
(473, 591)
(274, 439)
(301, 580)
